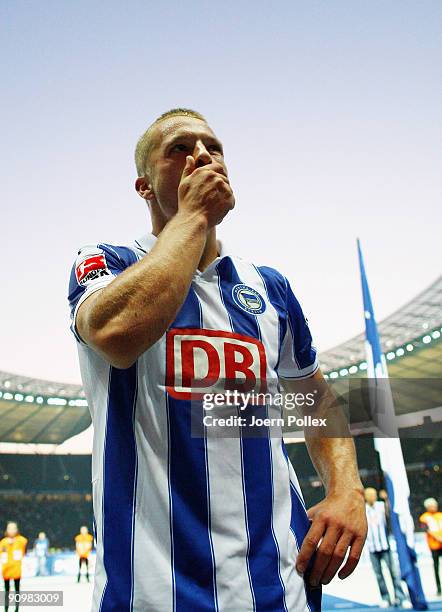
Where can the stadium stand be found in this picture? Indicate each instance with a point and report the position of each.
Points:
(59, 515)
(46, 490)
(48, 493)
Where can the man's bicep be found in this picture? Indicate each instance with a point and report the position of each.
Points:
(95, 267)
(81, 319)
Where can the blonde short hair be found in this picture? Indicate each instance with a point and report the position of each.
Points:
(430, 501)
(144, 143)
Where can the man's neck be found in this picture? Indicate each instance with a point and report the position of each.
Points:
(210, 252)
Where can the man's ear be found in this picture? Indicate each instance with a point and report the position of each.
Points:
(144, 188)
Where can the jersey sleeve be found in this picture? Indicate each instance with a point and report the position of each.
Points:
(298, 358)
(94, 268)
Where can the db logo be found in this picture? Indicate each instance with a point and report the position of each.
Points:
(203, 361)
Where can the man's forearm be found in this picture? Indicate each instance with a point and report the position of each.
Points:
(338, 522)
(332, 448)
(135, 309)
(335, 462)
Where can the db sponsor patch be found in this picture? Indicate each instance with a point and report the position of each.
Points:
(203, 361)
(92, 267)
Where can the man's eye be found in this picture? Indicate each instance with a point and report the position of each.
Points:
(215, 149)
(179, 147)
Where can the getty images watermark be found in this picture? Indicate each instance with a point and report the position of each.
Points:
(241, 401)
(31, 598)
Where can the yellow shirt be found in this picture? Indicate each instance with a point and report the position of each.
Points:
(83, 544)
(12, 551)
(433, 521)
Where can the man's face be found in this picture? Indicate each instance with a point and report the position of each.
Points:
(432, 507)
(172, 140)
(370, 495)
(83, 530)
(11, 530)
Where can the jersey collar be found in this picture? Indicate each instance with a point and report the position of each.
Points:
(146, 242)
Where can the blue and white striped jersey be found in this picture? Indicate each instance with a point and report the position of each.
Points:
(185, 523)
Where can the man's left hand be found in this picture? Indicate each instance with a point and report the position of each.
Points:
(338, 523)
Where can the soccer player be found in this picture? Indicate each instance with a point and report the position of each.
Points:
(12, 551)
(186, 520)
(379, 548)
(431, 521)
(83, 547)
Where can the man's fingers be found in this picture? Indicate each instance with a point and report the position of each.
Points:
(324, 555)
(213, 167)
(309, 545)
(189, 167)
(353, 558)
(337, 558)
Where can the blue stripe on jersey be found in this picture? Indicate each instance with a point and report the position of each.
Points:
(246, 516)
(263, 558)
(275, 286)
(119, 485)
(263, 550)
(192, 550)
(300, 524)
(303, 351)
(242, 321)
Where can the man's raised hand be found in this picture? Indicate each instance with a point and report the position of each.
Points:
(206, 190)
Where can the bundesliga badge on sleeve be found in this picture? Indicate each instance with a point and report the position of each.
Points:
(91, 264)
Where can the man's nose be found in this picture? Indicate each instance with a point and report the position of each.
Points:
(201, 155)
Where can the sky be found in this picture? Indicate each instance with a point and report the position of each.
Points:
(330, 115)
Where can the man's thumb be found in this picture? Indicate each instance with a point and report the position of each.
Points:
(311, 513)
(189, 167)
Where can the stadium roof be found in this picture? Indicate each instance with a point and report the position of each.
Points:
(414, 326)
(37, 412)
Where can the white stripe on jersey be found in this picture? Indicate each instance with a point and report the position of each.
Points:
(94, 368)
(152, 528)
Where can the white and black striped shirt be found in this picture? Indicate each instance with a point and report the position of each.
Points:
(377, 538)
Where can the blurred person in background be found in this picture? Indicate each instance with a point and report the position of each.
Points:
(83, 546)
(383, 497)
(379, 548)
(41, 547)
(431, 521)
(12, 551)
